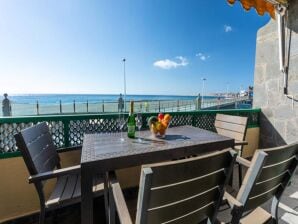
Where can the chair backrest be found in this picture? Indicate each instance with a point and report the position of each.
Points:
(268, 176)
(184, 191)
(37, 148)
(231, 126)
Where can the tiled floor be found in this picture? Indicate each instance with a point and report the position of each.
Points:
(288, 211)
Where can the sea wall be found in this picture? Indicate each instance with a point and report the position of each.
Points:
(279, 119)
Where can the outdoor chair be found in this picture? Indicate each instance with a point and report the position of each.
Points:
(268, 175)
(43, 163)
(186, 191)
(234, 127)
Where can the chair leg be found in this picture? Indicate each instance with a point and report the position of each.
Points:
(106, 197)
(274, 210)
(112, 208)
(240, 175)
(42, 215)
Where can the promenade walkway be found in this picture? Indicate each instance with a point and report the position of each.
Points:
(22, 109)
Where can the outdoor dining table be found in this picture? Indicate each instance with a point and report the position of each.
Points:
(102, 153)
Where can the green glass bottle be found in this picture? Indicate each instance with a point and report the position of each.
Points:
(131, 123)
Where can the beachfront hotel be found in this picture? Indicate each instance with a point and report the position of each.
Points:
(137, 158)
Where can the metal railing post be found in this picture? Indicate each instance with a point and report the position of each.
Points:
(60, 105)
(159, 106)
(74, 106)
(103, 106)
(87, 106)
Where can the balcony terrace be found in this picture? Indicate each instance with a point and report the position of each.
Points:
(19, 199)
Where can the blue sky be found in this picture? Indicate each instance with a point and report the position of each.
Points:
(72, 46)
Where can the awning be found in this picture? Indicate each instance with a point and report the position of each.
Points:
(279, 8)
(261, 6)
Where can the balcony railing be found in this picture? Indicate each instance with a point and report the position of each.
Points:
(40, 108)
(68, 130)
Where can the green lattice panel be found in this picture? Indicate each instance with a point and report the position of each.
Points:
(101, 125)
(179, 120)
(57, 131)
(8, 130)
(205, 121)
(69, 130)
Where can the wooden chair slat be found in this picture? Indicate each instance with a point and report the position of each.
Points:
(178, 171)
(256, 201)
(69, 188)
(231, 119)
(194, 216)
(184, 191)
(32, 133)
(230, 126)
(77, 191)
(177, 192)
(180, 190)
(276, 155)
(265, 186)
(40, 148)
(46, 161)
(57, 192)
(232, 134)
(181, 208)
(41, 142)
(233, 127)
(269, 174)
(275, 170)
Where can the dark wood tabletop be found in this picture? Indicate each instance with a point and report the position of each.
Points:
(106, 152)
(179, 142)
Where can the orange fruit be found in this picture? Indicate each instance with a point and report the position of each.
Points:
(165, 124)
(167, 118)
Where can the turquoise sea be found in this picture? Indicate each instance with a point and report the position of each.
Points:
(82, 98)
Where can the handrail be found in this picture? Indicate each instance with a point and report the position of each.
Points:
(170, 105)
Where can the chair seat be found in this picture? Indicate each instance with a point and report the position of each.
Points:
(258, 216)
(68, 190)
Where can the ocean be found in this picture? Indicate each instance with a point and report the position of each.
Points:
(42, 104)
(92, 98)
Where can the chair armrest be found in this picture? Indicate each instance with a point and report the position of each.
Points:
(241, 143)
(231, 200)
(119, 200)
(243, 161)
(54, 173)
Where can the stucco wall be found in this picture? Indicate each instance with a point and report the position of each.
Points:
(279, 120)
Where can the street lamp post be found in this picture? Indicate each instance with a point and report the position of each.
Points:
(124, 83)
(227, 94)
(203, 88)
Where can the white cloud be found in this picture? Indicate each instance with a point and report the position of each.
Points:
(202, 56)
(228, 28)
(169, 64)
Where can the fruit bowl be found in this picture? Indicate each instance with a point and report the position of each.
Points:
(159, 125)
